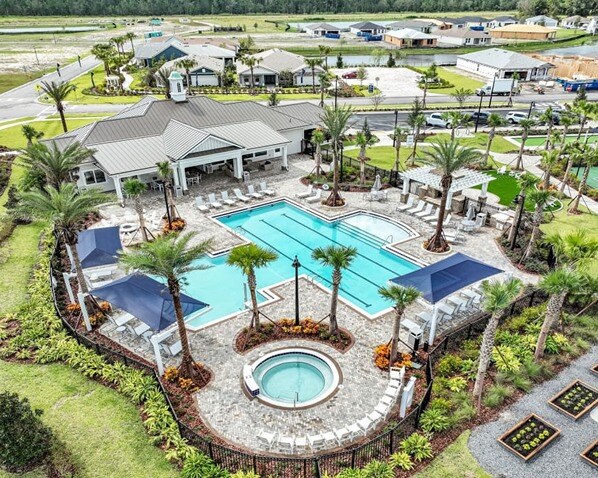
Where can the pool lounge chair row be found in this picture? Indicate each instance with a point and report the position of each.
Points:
(310, 195)
(217, 203)
(465, 301)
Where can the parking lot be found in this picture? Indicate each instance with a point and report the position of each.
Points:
(391, 81)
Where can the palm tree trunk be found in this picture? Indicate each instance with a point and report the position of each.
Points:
(548, 146)
(60, 109)
(531, 247)
(452, 132)
(132, 46)
(485, 355)
(398, 153)
(252, 81)
(334, 197)
(77, 265)
(425, 92)
(414, 152)
(437, 242)
(321, 96)
(574, 207)
(396, 330)
(553, 312)
(188, 82)
(313, 80)
(566, 175)
(582, 123)
(318, 159)
(488, 146)
(519, 164)
(518, 213)
(139, 211)
(255, 316)
(336, 281)
(362, 166)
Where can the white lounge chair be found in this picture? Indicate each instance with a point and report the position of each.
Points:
(121, 319)
(330, 437)
(342, 434)
(426, 212)
(172, 350)
(316, 441)
(212, 200)
(251, 192)
(266, 439)
(355, 430)
(453, 236)
(240, 196)
(420, 206)
(316, 197)
(307, 193)
(432, 217)
(226, 199)
(265, 190)
(366, 424)
(199, 204)
(388, 400)
(502, 170)
(286, 443)
(375, 417)
(408, 204)
(301, 443)
(140, 330)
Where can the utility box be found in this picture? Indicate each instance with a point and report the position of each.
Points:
(414, 336)
(246, 176)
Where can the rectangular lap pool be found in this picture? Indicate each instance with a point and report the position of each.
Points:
(290, 230)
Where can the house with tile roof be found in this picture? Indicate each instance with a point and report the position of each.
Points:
(499, 63)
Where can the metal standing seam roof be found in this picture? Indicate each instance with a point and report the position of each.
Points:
(251, 135)
(277, 60)
(152, 50)
(202, 61)
(137, 109)
(130, 155)
(501, 59)
(409, 33)
(462, 179)
(305, 111)
(180, 138)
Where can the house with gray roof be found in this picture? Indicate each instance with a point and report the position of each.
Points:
(206, 72)
(188, 132)
(321, 29)
(502, 21)
(418, 25)
(542, 20)
(367, 28)
(495, 62)
(173, 48)
(463, 37)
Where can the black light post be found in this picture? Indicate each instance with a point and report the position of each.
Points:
(492, 91)
(341, 158)
(296, 266)
(477, 119)
(531, 105)
(58, 69)
(165, 187)
(79, 60)
(93, 83)
(335, 91)
(394, 137)
(517, 200)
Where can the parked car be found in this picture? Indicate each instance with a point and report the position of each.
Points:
(435, 119)
(556, 115)
(479, 118)
(515, 117)
(350, 75)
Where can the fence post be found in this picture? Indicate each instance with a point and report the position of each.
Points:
(210, 450)
(317, 468)
(255, 464)
(469, 331)
(392, 440)
(353, 458)
(531, 298)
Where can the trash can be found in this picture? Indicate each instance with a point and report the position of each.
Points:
(414, 336)
(178, 191)
(246, 176)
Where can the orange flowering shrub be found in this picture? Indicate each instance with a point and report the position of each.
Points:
(177, 225)
(105, 306)
(171, 374)
(97, 318)
(73, 307)
(382, 358)
(187, 384)
(306, 326)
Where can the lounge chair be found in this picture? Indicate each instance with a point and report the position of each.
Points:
(420, 206)
(226, 199)
(266, 439)
(172, 350)
(240, 196)
(301, 443)
(199, 204)
(251, 192)
(307, 193)
(426, 212)
(432, 217)
(383, 409)
(408, 204)
(286, 443)
(212, 200)
(330, 437)
(316, 197)
(121, 319)
(342, 434)
(316, 441)
(366, 424)
(355, 430)
(388, 400)
(452, 237)
(264, 189)
(375, 417)
(502, 170)
(140, 330)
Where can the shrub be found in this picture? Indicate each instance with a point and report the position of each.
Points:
(555, 343)
(496, 395)
(519, 379)
(456, 384)
(24, 439)
(448, 365)
(417, 446)
(469, 368)
(244, 474)
(378, 469)
(527, 316)
(535, 371)
(434, 420)
(440, 403)
(200, 466)
(351, 473)
(401, 460)
(505, 359)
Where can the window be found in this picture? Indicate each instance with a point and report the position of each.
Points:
(261, 153)
(277, 150)
(247, 156)
(94, 177)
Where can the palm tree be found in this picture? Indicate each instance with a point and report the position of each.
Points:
(335, 121)
(66, 208)
(525, 182)
(171, 257)
(497, 297)
(547, 118)
(248, 258)
(251, 62)
(549, 159)
(416, 122)
(103, 52)
(31, 133)
(339, 258)
(317, 138)
(324, 52)
(576, 248)
(58, 93)
(134, 189)
(446, 157)
(129, 36)
(401, 297)
(399, 135)
(118, 42)
(572, 153)
(567, 120)
(56, 164)
(165, 173)
(494, 120)
(187, 63)
(313, 63)
(325, 80)
(525, 125)
(455, 119)
(585, 111)
(591, 157)
(162, 76)
(363, 142)
(540, 198)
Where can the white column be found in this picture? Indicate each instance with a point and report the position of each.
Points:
(118, 189)
(157, 354)
(182, 178)
(484, 190)
(449, 201)
(285, 159)
(432, 334)
(81, 298)
(67, 282)
(175, 176)
(238, 167)
(405, 185)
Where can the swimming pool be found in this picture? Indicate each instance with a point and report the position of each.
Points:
(290, 230)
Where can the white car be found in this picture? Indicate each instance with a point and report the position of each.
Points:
(515, 117)
(435, 119)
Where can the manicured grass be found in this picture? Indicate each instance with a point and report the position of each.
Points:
(479, 141)
(540, 140)
(100, 427)
(12, 137)
(8, 81)
(383, 156)
(455, 461)
(458, 81)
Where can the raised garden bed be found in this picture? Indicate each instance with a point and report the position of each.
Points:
(590, 454)
(529, 437)
(575, 400)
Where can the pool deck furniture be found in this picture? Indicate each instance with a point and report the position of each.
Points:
(342, 434)
(265, 190)
(366, 424)
(432, 217)
(420, 206)
(316, 197)
(240, 196)
(266, 439)
(128, 228)
(425, 212)
(316, 441)
(355, 431)
(306, 193)
(121, 319)
(212, 200)
(199, 204)
(252, 193)
(330, 438)
(172, 350)
(301, 444)
(383, 409)
(408, 204)
(226, 199)
(468, 225)
(286, 443)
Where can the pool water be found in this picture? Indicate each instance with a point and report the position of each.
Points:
(289, 231)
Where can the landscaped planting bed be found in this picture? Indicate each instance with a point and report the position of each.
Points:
(590, 454)
(575, 400)
(529, 437)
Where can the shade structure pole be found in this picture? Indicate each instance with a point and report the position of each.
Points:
(84, 312)
(433, 323)
(69, 289)
(157, 354)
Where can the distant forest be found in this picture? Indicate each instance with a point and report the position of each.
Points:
(301, 7)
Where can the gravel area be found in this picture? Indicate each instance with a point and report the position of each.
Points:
(561, 458)
(392, 81)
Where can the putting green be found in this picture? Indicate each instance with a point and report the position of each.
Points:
(592, 177)
(540, 140)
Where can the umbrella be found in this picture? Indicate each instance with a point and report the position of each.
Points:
(99, 247)
(377, 183)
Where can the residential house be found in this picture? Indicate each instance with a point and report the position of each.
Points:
(194, 132)
(321, 29)
(172, 48)
(575, 22)
(419, 25)
(367, 28)
(463, 37)
(542, 20)
(206, 72)
(437, 23)
(502, 21)
(408, 38)
(454, 22)
(272, 63)
(498, 63)
(475, 22)
(523, 32)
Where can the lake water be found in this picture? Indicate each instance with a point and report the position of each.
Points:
(584, 50)
(414, 60)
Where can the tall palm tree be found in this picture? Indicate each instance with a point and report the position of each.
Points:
(165, 175)
(525, 182)
(455, 120)
(58, 92)
(497, 297)
(571, 151)
(399, 135)
(317, 138)
(251, 62)
(447, 157)
(339, 258)
(494, 121)
(171, 257)
(416, 122)
(118, 42)
(56, 164)
(401, 297)
(134, 189)
(187, 63)
(66, 208)
(547, 118)
(325, 80)
(363, 142)
(335, 121)
(540, 198)
(130, 36)
(324, 52)
(525, 125)
(591, 158)
(567, 120)
(585, 111)
(31, 134)
(248, 258)
(103, 52)
(313, 63)
(549, 159)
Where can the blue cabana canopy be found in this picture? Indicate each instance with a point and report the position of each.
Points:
(446, 276)
(147, 299)
(99, 247)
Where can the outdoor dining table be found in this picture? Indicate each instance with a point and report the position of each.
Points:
(128, 228)
(468, 225)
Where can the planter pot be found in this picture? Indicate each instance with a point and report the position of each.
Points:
(590, 454)
(575, 400)
(519, 440)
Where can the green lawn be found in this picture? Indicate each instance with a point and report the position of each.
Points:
(458, 81)
(8, 81)
(540, 140)
(100, 427)
(455, 461)
(499, 144)
(383, 156)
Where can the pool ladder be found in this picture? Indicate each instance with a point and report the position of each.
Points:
(386, 241)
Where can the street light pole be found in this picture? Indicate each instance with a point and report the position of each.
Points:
(492, 91)
(296, 266)
(531, 105)
(394, 136)
(477, 119)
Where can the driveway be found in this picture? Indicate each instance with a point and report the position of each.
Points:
(392, 81)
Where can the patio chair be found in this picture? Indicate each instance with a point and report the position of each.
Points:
(301, 443)
(286, 443)
(172, 350)
(251, 192)
(307, 193)
(366, 424)
(227, 200)
(420, 206)
(383, 409)
(342, 434)
(426, 317)
(264, 189)
(266, 439)
(316, 197)
(387, 400)
(426, 212)
(432, 217)
(140, 330)
(375, 417)
(199, 204)
(408, 204)
(121, 319)
(453, 237)
(329, 437)
(212, 200)
(240, 196)
(502, 170)
(355, 430)
(316, 441)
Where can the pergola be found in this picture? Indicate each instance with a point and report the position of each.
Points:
(462, 179)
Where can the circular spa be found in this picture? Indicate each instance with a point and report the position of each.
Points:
(292, 378)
